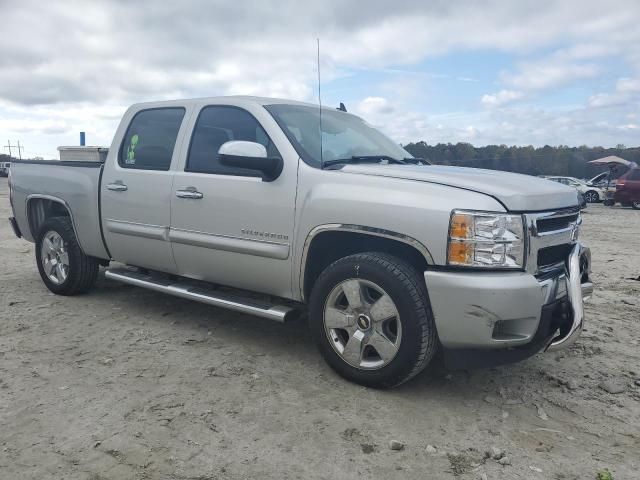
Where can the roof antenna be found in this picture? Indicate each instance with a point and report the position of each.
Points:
(320, 104)
(342, 108)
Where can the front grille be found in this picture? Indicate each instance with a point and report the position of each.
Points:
(555, 223)
(554, 255)
(551, 237)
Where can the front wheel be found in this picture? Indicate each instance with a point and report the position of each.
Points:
(370, 316)
(63, 267)
(591, 196)
(635, 205)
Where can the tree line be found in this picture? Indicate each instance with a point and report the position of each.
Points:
(561, 160)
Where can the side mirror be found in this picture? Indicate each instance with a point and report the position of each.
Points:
(250, 156)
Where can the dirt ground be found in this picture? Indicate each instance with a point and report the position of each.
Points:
(124, 383)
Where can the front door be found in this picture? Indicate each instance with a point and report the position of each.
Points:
(228, 226)
(136, 190)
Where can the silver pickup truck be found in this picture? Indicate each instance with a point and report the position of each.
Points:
(267, 206)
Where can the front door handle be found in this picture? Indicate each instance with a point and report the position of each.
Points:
(189, 192)
(117, 187)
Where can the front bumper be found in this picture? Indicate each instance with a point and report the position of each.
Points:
(507, 316)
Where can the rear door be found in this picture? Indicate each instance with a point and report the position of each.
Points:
(234, 229)
(136, 188)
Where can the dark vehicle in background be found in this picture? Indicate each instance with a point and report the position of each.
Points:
(628, 189)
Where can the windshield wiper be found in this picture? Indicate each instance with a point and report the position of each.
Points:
(417, 161)
(363, 159)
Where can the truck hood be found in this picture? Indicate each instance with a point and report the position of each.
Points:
(515, 191)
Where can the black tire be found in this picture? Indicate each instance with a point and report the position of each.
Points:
(635, 205)
(82, 270)
(591, 196)
(405, 286)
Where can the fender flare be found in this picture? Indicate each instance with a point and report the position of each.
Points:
(38, 196)
(362, 229)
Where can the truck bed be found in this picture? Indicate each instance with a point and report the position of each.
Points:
(74, 184)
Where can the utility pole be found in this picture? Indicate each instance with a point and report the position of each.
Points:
(20, 150)
(19, 147)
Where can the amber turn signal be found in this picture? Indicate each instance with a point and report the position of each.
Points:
(460, 253)
(461, 226)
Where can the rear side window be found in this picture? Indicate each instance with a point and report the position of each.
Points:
(634, 175)
(150, 139)
(217, 125)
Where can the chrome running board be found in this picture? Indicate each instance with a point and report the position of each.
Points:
(183, 289)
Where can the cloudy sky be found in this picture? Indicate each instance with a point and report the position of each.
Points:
(530, 72)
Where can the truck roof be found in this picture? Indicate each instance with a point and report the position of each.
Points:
(227, 99)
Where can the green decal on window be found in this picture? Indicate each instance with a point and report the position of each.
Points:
(131, 150)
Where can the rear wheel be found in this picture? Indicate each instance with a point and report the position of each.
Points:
(371, 319)
(636, 205)
(63, 267)
(591, 196)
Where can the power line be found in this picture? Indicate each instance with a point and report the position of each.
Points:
(18, 146)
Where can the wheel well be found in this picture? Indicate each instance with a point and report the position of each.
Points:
(40, 210)
(327, 247)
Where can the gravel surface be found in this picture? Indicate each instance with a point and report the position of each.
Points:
(124, 383)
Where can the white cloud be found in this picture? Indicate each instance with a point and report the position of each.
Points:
(63, 64)
(34, 126)
(374, 106)
(501, 98)
(510, 125)
(548, 74)
(628, 85)
(627, 91)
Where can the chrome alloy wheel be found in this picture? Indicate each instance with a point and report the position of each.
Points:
(54, 257)
(591, 197)
(362, 324)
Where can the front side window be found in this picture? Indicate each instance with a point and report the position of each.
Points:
(217, 125)
(150, 139)
(343, 135)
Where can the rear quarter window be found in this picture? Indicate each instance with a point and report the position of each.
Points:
(151, 138)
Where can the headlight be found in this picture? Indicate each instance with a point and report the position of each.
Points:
(482, 239)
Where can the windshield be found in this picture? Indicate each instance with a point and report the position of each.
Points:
(344, 135)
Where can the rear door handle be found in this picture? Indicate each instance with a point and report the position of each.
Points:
(117, 187)
(189, 192)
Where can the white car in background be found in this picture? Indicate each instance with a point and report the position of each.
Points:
(4, 169)
(591, 193)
